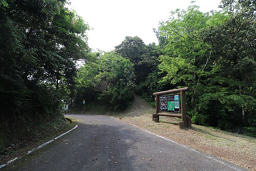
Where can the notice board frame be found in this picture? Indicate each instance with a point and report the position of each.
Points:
(186, 120)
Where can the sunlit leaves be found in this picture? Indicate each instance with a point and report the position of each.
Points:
(214, 54)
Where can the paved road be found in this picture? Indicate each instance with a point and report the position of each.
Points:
(104, 143)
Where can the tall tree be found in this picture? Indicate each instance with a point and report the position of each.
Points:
(40, 41)
(233, 47)
(185, 54)
(133, 48)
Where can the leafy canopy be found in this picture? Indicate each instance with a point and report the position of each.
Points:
(112, 76)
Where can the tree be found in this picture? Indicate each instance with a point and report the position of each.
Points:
(184, 60)
(133, 48)
(187, 61)
(233, 48)
(148, 69)
(112, 76)
(40, 41)
(213, 54)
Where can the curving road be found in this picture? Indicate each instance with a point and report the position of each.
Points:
(105, 143)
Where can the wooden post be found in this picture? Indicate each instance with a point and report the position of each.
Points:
(157, 103)
(186, 119)
(183, 105)
(182, 124)
(155, 116)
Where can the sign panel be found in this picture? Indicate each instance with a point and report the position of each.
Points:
(176, 97)
(176, 104)
(169, 103)
(171, 106)
(163, 103)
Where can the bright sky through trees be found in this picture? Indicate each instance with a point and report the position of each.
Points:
(112, 20)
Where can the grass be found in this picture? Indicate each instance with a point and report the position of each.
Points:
(42, 133)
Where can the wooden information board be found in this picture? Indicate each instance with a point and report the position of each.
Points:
(169, 103)
(172, 103)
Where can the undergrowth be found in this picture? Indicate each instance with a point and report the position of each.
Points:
(27, 137)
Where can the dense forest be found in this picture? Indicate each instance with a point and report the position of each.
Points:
(40, 43)
(211, 53)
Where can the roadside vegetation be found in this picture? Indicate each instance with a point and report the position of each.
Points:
(20, 143)
(40, 43)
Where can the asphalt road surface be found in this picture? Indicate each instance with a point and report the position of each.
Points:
(105, 143)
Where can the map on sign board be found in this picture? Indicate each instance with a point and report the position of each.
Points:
(169, 103)
(163, 103)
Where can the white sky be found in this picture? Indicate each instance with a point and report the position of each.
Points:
(112, 20)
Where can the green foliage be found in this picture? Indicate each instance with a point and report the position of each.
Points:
(110, 75)
(214, 55)
(3, 3)
(132, 48)
(148, 67)
(40, 42)
(145, 59)
(250, 131)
